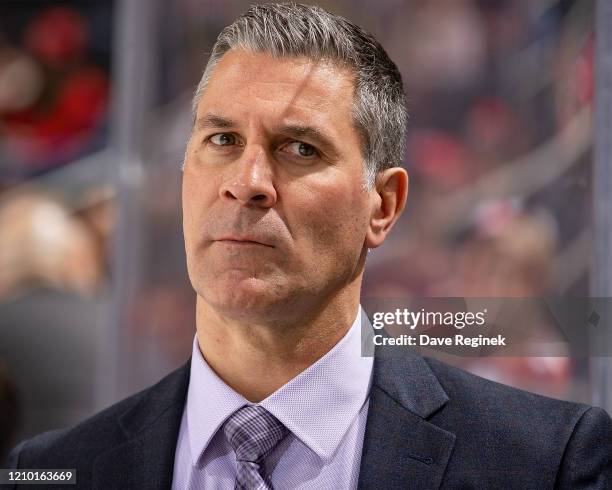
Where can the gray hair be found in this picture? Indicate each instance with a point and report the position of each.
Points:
(296, 30)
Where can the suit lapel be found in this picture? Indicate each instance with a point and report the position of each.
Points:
(401, 448)
(146, 458)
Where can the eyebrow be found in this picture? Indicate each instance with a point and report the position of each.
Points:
(213, 121)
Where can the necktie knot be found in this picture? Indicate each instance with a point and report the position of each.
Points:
(253, 432)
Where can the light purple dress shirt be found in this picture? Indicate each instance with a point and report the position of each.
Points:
(325, 409)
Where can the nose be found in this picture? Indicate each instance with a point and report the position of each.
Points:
(251, 181)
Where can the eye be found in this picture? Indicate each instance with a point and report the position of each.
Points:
(223, 139)
(301, 149)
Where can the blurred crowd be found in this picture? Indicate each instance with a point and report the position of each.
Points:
(54, 87)
(54, 98)
(499, 155)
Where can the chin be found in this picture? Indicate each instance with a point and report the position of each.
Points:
(242, 297)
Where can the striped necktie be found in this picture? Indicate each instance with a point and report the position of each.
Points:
(253, 433)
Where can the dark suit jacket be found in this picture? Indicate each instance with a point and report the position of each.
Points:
(429, 426)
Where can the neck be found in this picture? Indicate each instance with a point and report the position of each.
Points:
(255, 359)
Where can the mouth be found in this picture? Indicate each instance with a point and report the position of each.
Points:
(242, 242)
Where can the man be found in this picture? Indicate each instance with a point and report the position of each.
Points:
(291, 174)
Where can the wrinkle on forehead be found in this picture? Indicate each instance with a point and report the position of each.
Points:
(300, 82)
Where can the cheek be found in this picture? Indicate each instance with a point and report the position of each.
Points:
(188, 204)
(195, 201)
(336, 223)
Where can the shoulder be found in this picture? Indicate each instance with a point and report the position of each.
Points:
(464, 388)
(84, 440)
(68, 447)
(504, 408)
(566, 440)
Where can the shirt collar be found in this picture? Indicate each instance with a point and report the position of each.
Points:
(317, 406)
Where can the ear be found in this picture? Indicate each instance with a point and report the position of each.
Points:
(388, 201)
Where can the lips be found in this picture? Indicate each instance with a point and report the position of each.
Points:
(244, 241)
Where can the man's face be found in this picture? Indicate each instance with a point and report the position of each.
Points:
(274, 210)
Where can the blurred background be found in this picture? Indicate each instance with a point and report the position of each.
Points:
(95, 98)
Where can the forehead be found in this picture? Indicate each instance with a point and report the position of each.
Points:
(247, 84)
